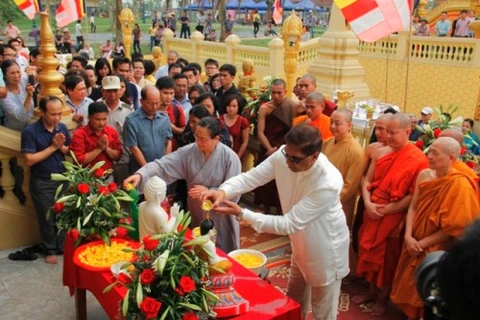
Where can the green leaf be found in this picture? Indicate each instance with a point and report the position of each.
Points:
(158, 236)
(117, 204)
(205, 305)
(165, 313)
(125, 303)
(217, 269)
(58, 177)
(74, 158)
(139, 293)
(87, 219)
(79, 224)
(172, 282)
(105, 237)
(59, 189)
(211, 295)
(79, 202)
(127, 226)
(190, 306)
(65, 198)
(49, 213)
(109, 287)
(188, 259)
(105, 212)
(195, 242)
(96, 166)
(124, 198)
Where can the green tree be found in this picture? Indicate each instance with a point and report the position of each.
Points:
(9, 11)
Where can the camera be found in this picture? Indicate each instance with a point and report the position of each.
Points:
(428, 289)
(448, 282)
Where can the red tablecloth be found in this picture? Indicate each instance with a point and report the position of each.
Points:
(265, 301)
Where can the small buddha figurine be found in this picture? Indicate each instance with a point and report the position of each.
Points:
(248, 79)
(157, 57)
(152, 218)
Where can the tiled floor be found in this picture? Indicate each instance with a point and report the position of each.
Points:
(34, 290)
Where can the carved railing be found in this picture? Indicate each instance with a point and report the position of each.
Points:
(436, 49)
(19, 221)
(385, 46)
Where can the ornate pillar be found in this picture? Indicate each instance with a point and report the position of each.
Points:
(127, 19)
(49, 78)
(291, 33)
(336, 66)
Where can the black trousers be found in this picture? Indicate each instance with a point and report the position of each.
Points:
(256, 27)
(136, 46)
(43, 194)
(185, 32)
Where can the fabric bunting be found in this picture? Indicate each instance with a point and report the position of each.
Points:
(69, 11)
(375, 19)
(277, 12)
(29, 7)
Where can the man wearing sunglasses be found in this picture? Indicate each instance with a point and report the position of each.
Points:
(309, 188)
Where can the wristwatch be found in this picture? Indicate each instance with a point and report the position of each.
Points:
(240, 216)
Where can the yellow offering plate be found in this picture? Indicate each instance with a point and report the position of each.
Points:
(207, 205)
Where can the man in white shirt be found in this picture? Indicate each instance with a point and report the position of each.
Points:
(172, 57)
(309, 188)
(79, 34)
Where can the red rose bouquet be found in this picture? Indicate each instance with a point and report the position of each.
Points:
(255, 101)
(443, 120)
(89, 205)
(169, 280)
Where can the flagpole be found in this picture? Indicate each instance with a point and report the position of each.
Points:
(409, 53)
(87, 34)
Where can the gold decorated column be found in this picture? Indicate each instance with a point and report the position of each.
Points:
(49, 78)
(291, 33)
(127, 20)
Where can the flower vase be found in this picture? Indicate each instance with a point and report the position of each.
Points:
(231, 302)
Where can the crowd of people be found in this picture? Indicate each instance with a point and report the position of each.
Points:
(444, 27)
(145, 121)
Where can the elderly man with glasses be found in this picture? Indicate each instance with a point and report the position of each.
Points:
(309, 187)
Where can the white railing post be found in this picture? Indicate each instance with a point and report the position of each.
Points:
(276, 52)
(402, 45)
(231, 42)
(197, 38)
(168, 36)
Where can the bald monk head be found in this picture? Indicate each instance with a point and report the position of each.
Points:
(314, 104)
(453, 133)
(443, 153)
(381, 127)
(398, 130)
(341, 123)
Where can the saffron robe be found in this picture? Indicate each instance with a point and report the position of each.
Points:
(348, 157)
(462, 167)
(277, 124)
(394, 177)
(449, 204)
(189, 163)
(322, 124)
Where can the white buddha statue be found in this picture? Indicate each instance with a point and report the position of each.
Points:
(152, 218)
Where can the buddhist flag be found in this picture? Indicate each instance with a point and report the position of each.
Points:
(29, 7)
(375, 19)
(69, 11)
(277, 12)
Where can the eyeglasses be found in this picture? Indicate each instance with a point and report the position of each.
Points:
(293, 159)
(201, 139)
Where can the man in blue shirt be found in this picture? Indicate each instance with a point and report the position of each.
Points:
(147, 131)
(44, 144)
(443, 26)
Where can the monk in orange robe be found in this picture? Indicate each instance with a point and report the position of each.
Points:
(459, 165)
(314, 104)
(387, 191)
(443, 204)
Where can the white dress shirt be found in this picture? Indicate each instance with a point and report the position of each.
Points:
(313, 217)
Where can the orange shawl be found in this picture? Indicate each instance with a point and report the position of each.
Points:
(393, 178)
(448, 203)
(322, 124)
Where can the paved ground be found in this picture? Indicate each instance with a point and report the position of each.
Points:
(33, 290)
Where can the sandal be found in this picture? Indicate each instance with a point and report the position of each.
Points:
(23, 255)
